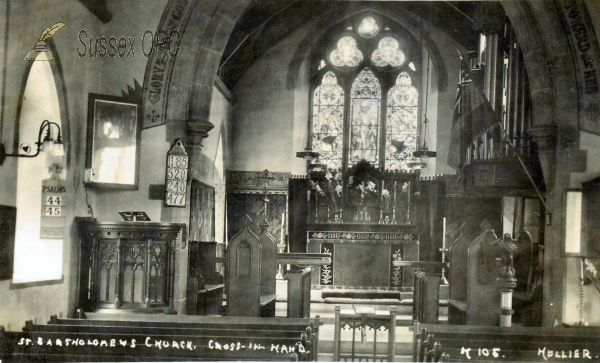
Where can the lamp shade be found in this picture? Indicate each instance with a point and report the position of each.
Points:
(414, 163)
(424, 160)
(48, 146)
(58, 149)
(307, 154)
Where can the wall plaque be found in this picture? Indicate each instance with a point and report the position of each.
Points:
(176, 178)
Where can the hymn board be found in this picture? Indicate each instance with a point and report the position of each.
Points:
(176, 176)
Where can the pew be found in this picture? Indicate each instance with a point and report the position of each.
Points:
(212, 338)
(474, 298)
(426, 296)
(298, 293)
(204, 294)
(252, 267)
(515, 344)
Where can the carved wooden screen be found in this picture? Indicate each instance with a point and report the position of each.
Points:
(240, 204)
(134, 284)
(133, 272)
(108, 270)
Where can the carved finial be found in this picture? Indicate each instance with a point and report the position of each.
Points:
(506, 249)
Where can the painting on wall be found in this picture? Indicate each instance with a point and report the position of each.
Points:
(202, 212)
(239, 204)
(113, 141)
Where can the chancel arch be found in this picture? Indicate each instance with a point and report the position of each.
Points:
(543, 44)
(255, 83)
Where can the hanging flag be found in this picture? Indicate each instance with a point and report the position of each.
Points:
(473, 114)
(454, 150)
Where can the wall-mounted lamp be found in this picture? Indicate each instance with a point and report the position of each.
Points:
(47, 143)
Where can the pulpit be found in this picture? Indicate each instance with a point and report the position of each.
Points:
(127, 265)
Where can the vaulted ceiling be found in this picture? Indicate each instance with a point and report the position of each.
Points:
(267, 22)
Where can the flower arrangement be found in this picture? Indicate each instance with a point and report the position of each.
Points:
(367, 189)
(331, 189)
(386, 201)
(334, 189)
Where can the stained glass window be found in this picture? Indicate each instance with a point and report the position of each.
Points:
(328, 121)
(368, 27)
(348, 119)
(365, 97)
(346, 54)
(401, 128)
(388, 53)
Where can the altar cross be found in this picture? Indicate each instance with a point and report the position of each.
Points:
(266, 177)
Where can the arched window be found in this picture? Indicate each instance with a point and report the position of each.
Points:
(365, 96)
(328, 121)
(38, 255)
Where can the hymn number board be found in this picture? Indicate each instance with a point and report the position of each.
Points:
(54, 193)
(176, 178)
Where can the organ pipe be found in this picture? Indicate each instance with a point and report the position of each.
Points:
(515, 96)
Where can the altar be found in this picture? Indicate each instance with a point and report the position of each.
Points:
(364, 219)
(363, 258)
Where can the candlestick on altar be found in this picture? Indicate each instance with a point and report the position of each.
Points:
(281, 248)
(408, 204)
(282, 228)
(444, 233)
(316, 206)
(443, 279)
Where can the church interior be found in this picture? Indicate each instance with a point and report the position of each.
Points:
(315, 180)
